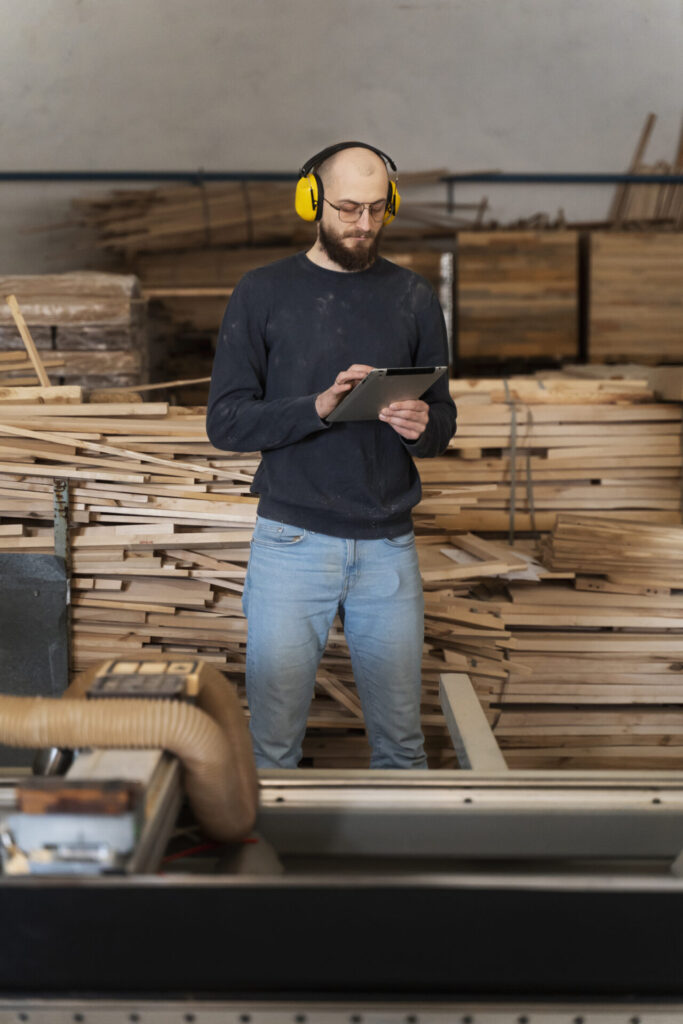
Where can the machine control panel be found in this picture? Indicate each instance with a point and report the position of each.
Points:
(146, 679)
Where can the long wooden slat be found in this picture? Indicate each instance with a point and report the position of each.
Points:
(28, 341)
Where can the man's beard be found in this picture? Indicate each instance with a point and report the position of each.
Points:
(356, 257)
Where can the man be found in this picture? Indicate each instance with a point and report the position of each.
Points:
(334, 532)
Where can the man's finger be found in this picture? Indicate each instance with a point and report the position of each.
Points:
(414, 417)
(347, 375)
(407, 415)
(410, 404)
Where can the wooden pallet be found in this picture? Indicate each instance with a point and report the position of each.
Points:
(636, 297)
(89, 327)
(517, 295)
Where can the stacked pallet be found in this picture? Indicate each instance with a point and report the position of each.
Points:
(517, 295)
(561, 444)
(88, 326)
(636, 297)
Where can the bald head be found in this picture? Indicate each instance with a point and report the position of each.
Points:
(349, 234)
(353, 168)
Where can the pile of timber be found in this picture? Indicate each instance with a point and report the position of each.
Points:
(559, 444)
(595, 676)
(89, 328)
(160, 524)
(173, 217)
(517, 295)
(190, 244)
(625, 552)
(239, 213)
(160, 529)
(636, 297)
(573, 669)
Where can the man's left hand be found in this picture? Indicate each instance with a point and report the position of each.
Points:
(409, 419)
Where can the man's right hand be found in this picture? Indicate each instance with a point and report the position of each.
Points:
(347, 379)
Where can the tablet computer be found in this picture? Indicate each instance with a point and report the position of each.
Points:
(382, 387)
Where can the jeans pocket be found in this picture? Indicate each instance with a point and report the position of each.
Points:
(269, 533)
(404, 541)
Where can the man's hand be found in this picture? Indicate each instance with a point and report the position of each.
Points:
(344, 381)
(409, 419)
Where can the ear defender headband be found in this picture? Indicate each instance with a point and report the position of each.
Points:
(308, 200)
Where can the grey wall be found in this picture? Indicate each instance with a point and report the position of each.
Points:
(261, 84)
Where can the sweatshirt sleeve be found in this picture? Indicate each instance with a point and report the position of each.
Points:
(432, 350)
(238, 416)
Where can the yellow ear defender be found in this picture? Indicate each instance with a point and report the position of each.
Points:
(308, 199)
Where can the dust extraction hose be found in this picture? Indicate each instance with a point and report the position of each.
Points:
(211, 741)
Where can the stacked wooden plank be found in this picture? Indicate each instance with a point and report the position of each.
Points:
(220, 214)
(599, 446)
(517, 295)
(636, 297)
(572, 672)
(625, 552)
(191, 243)
(161, 523)
(595, 677)
(190, 217)
(88, 326)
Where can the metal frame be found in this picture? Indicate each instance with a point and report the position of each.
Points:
(365, 938)
(481, 810)
(112, 1011)
(456, 815)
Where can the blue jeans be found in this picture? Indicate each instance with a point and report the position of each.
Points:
(296, 583)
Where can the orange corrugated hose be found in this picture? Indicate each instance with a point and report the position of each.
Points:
(211, 741)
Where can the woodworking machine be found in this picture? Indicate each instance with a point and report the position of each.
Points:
(478, 896)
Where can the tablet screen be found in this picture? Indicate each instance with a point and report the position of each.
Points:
(383, 386)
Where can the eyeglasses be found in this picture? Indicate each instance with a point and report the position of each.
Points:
(350, 212)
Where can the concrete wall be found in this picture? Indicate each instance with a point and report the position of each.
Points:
(261, 84)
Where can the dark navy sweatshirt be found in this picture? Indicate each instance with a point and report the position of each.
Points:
(289, 329)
